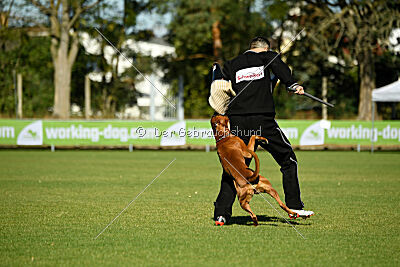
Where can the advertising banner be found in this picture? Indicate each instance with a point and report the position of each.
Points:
(189, 132)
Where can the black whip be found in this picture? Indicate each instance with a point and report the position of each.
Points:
(313, 98)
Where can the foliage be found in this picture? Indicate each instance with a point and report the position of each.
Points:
(37, 78)
(387, 69)
(30, 57)
(9, 55)
(310, 66)
(356, 33)
(113, 95)
(191, 34)
(202, 32)
(29, 54)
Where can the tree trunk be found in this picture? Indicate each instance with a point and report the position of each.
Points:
(217, 42)
(87, 97)
(367, 84)
(108, 110)
(62, 83)
(19, 93)
(324, 97)
(63, 61)
(64, 49)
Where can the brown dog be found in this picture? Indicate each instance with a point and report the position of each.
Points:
(232, 152)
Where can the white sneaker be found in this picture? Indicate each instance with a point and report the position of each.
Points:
(220, 221)
(303, 213)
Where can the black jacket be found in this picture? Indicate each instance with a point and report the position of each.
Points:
(255, 97)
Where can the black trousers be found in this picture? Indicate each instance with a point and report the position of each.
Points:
(244, 126)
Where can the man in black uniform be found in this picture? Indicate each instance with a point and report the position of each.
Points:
(253, 109)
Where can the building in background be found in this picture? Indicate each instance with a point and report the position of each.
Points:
(151, 104)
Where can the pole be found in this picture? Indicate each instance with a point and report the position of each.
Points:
(324, 98)
(87, 97)
(373, 130)
(152, 103)
(15, 95)
(180, 99)
(19, 93)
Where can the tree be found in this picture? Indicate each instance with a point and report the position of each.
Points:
(310, 59)
(204, 32)
(10, 40)
(117, 91)
(23, 52)
(64, 16)
(361, 28)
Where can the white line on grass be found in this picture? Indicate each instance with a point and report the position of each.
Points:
(105, 38)
(135, 198)
(280, 52)
(266, 199)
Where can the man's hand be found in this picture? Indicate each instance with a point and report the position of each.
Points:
(299, 90)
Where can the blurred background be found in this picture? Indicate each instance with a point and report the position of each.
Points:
(54, 64)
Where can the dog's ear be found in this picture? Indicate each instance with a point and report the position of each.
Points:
(217, 120)
(213, 121)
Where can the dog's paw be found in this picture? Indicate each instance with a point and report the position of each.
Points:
(262, 140)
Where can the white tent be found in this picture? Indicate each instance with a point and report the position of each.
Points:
(388, 93)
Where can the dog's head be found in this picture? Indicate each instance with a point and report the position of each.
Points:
(219, 123)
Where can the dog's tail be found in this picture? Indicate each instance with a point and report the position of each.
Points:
(257, 170)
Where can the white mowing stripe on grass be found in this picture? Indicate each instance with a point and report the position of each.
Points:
(133, 200)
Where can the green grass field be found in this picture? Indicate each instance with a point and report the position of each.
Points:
(54, 204)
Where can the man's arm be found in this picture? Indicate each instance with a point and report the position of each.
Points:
(282, 71)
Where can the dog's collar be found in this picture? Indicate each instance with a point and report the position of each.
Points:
(222, 138)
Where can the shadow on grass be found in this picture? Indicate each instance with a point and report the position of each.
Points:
(263, 220)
